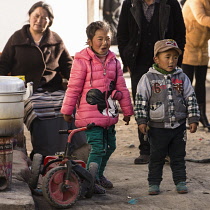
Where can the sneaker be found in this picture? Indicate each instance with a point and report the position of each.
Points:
(104, 182)
(154, 189)
(98, 189)
(181, 188)
(142, 159)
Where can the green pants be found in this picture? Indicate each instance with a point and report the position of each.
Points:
(103, 144)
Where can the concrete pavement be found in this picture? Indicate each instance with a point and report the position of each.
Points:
(19, 197)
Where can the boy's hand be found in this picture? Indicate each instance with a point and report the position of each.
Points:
(143, 128)
(193, 127)
(126, 119)
(68, 118)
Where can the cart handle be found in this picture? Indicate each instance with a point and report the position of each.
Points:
(89, 126)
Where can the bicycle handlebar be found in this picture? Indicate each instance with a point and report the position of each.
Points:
(89, 126)
(63, 131)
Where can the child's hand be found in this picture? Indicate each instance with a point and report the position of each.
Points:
(68, 118)
(143, 128)
(126, 119)
(193, 127)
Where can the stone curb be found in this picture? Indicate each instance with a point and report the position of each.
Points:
(19, 196)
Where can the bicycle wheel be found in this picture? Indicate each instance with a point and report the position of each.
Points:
(35, 170)
(55, 192)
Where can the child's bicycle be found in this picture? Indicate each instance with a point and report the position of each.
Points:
(64, 179)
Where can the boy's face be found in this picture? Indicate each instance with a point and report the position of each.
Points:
(101, 42)
(167, 60)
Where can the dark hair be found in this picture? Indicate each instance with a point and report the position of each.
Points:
(94, 26)
(45, 6)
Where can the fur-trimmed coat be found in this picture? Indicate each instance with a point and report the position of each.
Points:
(196, 15)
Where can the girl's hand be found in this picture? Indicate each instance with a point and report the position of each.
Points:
(143, 128)
(193, 127)
(68, 118)
(126, 119)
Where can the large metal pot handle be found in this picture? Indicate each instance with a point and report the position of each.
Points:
(29, 91)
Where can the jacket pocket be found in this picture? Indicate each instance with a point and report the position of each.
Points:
(157, 112)
(181, 110)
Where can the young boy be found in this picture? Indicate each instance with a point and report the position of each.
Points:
(165, 99)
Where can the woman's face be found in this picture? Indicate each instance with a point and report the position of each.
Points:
(39, 20)
(101, 42)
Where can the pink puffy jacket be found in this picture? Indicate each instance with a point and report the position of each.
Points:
(94, 88)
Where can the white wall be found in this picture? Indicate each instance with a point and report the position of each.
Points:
(70, 20)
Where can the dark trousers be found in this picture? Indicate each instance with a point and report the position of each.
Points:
(199, 74)
(171, 142)
(136, 75)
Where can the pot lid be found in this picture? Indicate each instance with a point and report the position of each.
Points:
(9, 84)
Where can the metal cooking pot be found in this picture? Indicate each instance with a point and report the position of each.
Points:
(12, 96)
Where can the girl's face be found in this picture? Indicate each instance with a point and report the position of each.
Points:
(167, 60)
(39, 20)
(101, 42)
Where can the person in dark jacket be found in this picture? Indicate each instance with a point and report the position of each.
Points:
(141, 24)
(40, 55)
(111, 13)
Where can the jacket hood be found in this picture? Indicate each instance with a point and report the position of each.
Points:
(88, 54)
(154, 71)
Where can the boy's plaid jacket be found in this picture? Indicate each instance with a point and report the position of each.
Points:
(165, 100)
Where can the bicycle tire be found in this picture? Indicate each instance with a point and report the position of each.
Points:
(52, 188)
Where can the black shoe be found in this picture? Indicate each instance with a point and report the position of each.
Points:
(142, 159)
(99, 189)
(104, 182)
(203, 118)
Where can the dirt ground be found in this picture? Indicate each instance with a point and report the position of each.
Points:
(130, 181)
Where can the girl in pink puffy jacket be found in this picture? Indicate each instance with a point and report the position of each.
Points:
(95, 83)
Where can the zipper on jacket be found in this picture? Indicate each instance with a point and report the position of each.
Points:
(104, 71)
(91, 73)
(106, 93)
(107, 106)
(106, 89)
